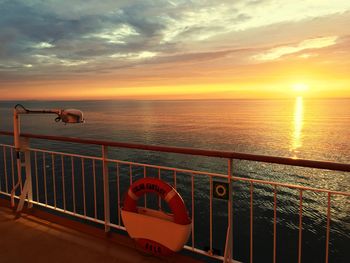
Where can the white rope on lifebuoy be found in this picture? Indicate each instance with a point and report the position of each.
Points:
(132, 195)
(170, 195)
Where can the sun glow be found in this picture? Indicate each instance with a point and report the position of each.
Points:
(300, 87)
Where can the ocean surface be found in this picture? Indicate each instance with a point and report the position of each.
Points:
(298, 128)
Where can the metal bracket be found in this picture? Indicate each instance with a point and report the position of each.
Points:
(26, 190)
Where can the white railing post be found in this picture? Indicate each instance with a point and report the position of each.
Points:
(106, 188)
(27, 188)
(16, 138)
(228, 244)
(229, 236)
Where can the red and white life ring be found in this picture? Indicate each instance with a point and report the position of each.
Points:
(155, 231)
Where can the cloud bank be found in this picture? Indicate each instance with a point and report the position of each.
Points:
(144, 42)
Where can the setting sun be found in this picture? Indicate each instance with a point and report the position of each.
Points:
(300, 87)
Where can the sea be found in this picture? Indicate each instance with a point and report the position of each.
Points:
(315, 129)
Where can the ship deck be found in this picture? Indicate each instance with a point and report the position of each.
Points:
(32, 239)
(78, 197)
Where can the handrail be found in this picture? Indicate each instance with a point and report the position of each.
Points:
(201, 152)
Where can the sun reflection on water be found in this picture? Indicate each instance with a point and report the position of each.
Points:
(298, 126)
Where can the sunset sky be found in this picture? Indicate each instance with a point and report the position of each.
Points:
(87, 49)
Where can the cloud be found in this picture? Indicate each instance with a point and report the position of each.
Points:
(133, 56)
(118, 35)
(69, 39)
(307, 44)
(43, 45)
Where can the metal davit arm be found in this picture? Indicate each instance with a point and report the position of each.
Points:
(66, 116)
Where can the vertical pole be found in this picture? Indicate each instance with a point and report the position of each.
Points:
(118, 191)
(210, 215)
(106, 188)
(251, 221)
(193, 207)
(300, 224)
(12, 168)
(54, 179)
(230, 212)
(274, 222)
(45, 184)
(73, 183)
(94, 179)
(36, 176)
(63, 184)
(159, 198)
(83, 177)
(5, 169)
(16, 129)
(229, 238)
(144, 176)
(27, 188)
(28, 173)
(328, 226)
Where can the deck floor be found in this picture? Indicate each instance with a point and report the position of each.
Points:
(29, 239)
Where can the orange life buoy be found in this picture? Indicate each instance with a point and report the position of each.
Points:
(173, 199)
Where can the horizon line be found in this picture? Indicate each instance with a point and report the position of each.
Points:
(182, 99)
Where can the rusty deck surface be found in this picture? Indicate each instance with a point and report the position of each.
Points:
(31, 239)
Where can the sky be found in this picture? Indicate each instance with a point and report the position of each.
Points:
(152, 49)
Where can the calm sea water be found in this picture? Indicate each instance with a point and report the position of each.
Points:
(299, 128)
(316, 129)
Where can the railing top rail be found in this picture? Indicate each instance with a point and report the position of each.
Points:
(200, 152)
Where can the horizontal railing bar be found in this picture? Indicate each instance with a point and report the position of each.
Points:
(58, 153)
(249, 180)
(117, 226)
(124, 162)
(200, 152)
(7, 145)
(167, 168)
(67, 154)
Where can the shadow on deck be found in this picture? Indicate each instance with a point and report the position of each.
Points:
(32, 239)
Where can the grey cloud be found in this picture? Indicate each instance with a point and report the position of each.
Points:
(26, 23)
(73, 29)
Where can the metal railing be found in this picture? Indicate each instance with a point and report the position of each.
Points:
(92, 188)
